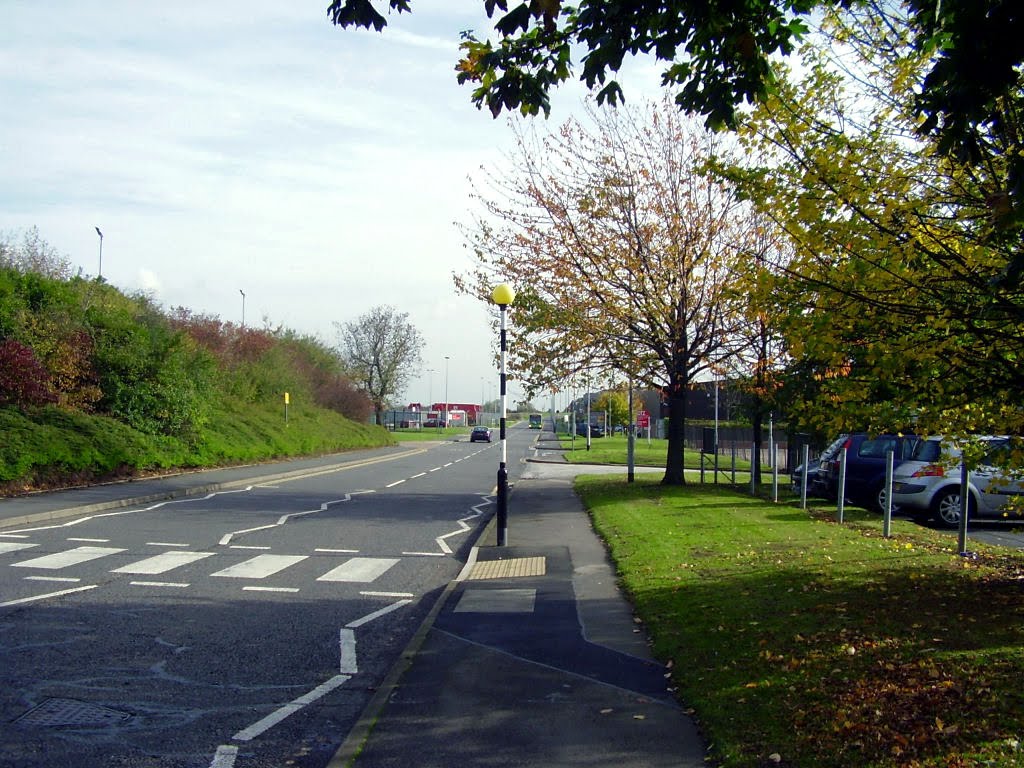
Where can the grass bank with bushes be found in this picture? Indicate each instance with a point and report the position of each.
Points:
(51, 447)
(801, 642)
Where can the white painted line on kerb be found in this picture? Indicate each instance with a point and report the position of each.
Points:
(268, 722)
(347, 649)
(377, 614)
(66, 579)
(225, 757)
(175, 584)
(44, 597)
(392, 485)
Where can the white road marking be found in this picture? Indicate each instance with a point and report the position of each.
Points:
(362, 569)
(68, 558)
(226, 538)
(152, 566)
(449, 463)
(435, 469)
(268, 722)
(176, 584)
(347, 647)
(424, 554)
(225, 757)
(13, 536)
(387, 594)
(52, 578)
(338, 551)
(243, 546)
(421, 474)
(377, 614)
(270, 589)
(392, 485)
(91, 541)
(46, 596)
(166, 544)
(14, 546)
(260, 567)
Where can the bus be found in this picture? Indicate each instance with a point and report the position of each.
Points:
(535, 421)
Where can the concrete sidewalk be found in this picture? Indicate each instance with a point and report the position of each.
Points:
(530, 658)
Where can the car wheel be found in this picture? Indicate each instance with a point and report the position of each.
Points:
(946, 507)
(879, 501)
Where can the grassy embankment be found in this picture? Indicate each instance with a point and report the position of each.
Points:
(801, 642)
(51, 447)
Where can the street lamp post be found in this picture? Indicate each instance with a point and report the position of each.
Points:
(243, 306)
(446, 391)
(502, 295)
(100, 276)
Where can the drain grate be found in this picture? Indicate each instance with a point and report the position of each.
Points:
(62, 712)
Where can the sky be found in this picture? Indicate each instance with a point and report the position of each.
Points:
(253, 147)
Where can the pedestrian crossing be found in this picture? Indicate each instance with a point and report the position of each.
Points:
(336, 566)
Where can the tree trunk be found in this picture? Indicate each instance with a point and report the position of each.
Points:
(675, 473)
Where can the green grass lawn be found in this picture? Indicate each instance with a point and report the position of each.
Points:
(818, 643)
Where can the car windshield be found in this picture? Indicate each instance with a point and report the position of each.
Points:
(928, 450)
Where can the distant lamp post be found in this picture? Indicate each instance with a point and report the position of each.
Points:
(243, 306)
(100, 276)
(503, 295)
(446, 419)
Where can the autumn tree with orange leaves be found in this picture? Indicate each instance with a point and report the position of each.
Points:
(620, 248)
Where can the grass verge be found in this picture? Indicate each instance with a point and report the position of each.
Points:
(801, 642)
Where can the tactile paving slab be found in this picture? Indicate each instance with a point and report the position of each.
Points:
(511, 568)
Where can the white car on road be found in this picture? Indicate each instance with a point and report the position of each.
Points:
(928, 484)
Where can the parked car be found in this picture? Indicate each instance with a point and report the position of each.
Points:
(596, 430)
(865, 467)
(928, 485)
(433, 423)
(480, 433)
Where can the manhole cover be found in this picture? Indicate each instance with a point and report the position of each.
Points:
(57, 712)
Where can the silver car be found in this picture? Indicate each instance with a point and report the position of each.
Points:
(928, 484)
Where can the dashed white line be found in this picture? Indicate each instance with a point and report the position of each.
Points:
(165, 544)
(91, 541)
(225, 757)
(254, 730)
(52, 578)
(392, 485)
(424, 554)
(421, 474)
(435, 469)
(270, 589)
(337, 551)
(242, 546)
(347, 652)
(387, 594)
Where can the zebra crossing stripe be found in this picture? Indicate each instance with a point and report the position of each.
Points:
(70, 557)
(260, 566)
(157, 564)
(14, 546)
(360, 569)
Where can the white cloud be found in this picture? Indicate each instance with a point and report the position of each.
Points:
(252, 145)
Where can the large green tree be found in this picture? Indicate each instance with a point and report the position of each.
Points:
(895, 306)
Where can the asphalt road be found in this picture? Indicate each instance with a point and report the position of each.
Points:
(245, 628)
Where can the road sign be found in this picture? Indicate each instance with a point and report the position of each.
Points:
(643, 419)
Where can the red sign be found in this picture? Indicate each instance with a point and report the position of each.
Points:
(643, 419)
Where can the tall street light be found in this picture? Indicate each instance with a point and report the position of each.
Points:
(446, 391)
(100, 276)
(430, 387)
(243, 306)
(503, 295)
